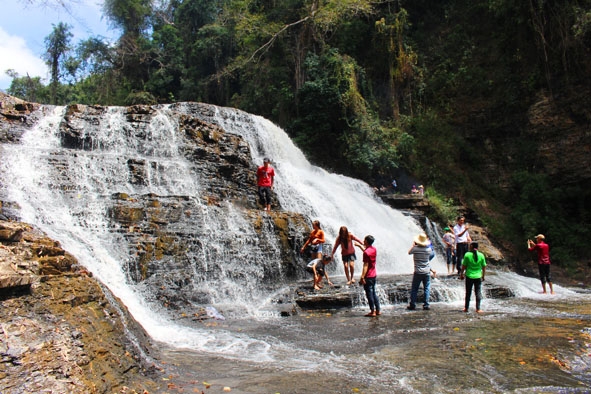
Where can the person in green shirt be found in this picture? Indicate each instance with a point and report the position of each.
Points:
(474, 264)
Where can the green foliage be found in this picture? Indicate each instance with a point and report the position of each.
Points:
(542, 208)
(27, 88)
(57, 46)
(434, 155)
(444, 209)
(136, 98)
(363, 87)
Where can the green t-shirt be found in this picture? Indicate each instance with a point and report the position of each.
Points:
(474, 268)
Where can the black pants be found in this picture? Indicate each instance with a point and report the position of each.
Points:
(461, 250)
(477, 284)
(265, 195)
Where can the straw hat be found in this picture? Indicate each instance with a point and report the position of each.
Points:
(422, 239)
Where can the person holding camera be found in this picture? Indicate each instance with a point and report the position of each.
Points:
(543, 260)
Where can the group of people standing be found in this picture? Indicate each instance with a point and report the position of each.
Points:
(347, 242)
(462, 256)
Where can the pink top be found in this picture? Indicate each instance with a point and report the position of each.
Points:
(543, 252)
(350, 249)
(369, 257)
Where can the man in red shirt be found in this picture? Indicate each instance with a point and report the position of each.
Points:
(265, 178)
(543, 260)
(369, 275)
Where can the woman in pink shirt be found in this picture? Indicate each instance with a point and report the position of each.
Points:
(345, 241)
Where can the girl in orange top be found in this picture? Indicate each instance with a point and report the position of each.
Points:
(316, 240)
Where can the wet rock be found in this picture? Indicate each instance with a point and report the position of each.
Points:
(396, 287)
(54, 335)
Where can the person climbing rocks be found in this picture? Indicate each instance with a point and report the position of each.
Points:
(265, 180)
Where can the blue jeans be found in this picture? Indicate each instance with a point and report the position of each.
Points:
(417, 279)
(370, 293)
(450, 257)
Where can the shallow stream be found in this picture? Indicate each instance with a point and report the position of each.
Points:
(533, 344)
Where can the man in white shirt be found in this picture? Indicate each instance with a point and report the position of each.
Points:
(462, 241)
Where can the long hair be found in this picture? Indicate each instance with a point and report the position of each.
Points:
(316, 223)
(344, 237)
(474, 247)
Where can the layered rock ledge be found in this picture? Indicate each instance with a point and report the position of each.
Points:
(60, 330)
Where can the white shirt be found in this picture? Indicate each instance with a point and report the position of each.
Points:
(457, 230)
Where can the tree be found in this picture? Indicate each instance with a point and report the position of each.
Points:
(57, 46)
(27, 88)
(134, 48)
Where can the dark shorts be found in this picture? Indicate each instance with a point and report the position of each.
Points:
(545, 273)
(348, 257)
(319, 270)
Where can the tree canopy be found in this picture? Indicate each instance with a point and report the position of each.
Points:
(369, 88)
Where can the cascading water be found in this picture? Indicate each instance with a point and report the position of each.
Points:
(225, 264)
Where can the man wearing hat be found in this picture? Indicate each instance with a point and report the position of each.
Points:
(543, 260)
(422, 273)
(449, 241)
(265, 179)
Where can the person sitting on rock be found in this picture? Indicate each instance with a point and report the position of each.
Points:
(318, 269)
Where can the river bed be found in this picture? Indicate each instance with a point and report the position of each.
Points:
(528, 344)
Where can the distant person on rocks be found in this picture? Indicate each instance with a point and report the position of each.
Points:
(462, 241)
(345, 241)
(414, 190)
(422, 271)
(315, 240)
(369, 275)
(449, 241)
(265, 180)
(543, 260)
(318, 268)
(474, 264)
(421, 190)
(394, 185)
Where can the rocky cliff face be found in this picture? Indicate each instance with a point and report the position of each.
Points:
(61, 330)
(165, 233)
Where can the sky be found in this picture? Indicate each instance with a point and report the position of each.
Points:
(24, 26)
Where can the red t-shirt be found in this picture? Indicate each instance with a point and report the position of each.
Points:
(543, 252)
(265, 176)
(369, 257)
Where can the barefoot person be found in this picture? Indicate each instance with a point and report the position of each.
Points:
(265, 180)
(474, 264)
(318, 269)
(449, 241)
(543, 260)
(345, 241)
(369, 275)
(315, 240)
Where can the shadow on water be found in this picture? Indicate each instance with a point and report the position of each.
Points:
(523, 345)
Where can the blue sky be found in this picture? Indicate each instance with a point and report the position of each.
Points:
(23, 28)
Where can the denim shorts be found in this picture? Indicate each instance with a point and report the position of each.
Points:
(349, 257)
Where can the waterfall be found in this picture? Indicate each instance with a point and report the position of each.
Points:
(66, 192)
(335, 200)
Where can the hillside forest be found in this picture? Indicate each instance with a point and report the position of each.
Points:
(485, 102)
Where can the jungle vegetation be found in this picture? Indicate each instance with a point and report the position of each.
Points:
(374, 89)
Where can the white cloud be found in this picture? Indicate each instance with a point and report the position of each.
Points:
(16, 55)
